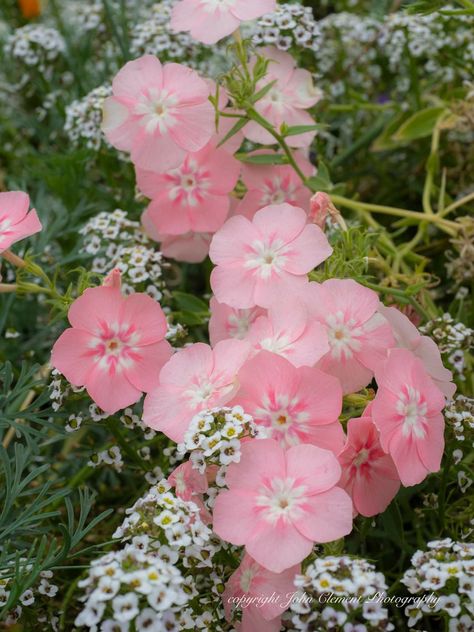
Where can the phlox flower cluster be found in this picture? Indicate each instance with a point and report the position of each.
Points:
(340, 593)
(162, 516)
(445, 569)
(132, 585)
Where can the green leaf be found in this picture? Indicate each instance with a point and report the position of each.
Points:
(261, 93)
(420, 125)
(242, 122)
(385, 140)
(294, 130)
(263, 159)
(190, 303)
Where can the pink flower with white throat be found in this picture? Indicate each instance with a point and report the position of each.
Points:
(227, 322)
(286, 102)
(369, 474)
(115, 347)
(158, 113)
(270, 592)
(295, 405)
(211, 20)
(274, 184)
(292, 334)
(16, 222)
(407, 336)
(266, 258)
(193, 197)
(407, 411)
(195, 378)
(279, 503)
(358, 335)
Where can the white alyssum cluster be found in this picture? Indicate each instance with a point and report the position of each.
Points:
(117, 242)
(290, 25)
(36, 47)
(214, 436)
(84, 119)
(164, 517)
(460, 414)
(453, 339)
(357, 592)
(153, 36)
(43, 589)
(110, 456)
(132, 587)
(446, 569)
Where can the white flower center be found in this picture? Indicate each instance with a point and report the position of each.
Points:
(238, 324)
(361, 458)
(343, 336)
(246, 579)
(266, 259)
(412, 407)
(156, 109)
(281, 500)
(286, 418)
(188, 183)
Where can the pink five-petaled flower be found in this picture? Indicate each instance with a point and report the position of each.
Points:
(369, 474)
(286, 102)
(407, 412)
(115, 347)
(290, 333)
(194, 196)
(296, 405)
(274, 184)
(270, 256)
(194, 379)
(227, 322)
(280, 502)
(15, 221)
(211, 20)
(358, 335)
(158, 113)
(408, 337)
(260, 594)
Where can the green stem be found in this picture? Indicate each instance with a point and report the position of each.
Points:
(457, 204)
(355, 205)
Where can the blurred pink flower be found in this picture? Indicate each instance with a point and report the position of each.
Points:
(190, 247)
(209, 20)
(274, 184)
(15, 221)
(270, 592)
(290, 333)
(319, 208)
(194, 379)
(407, 336)
(280, 502)
(258, 261)
(227, 322)
(286, 102)
(369, 475)
(189, 485)
(296, 405)
(115, 347)
(407, 412)
(193, 197)
(358, 335)
(158, 113)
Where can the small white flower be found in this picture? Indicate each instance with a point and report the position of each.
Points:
(125, 606)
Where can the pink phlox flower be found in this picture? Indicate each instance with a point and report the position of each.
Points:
(194, 379)
(15, 221)
(280, 502)
(407, 412)
(407, 336)
(369, 475)
(228, 322)
(294, 405)
(359, 336)
(209, 21)
(257, 261)
(286, 102)
(158, 113)
(115, 346)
